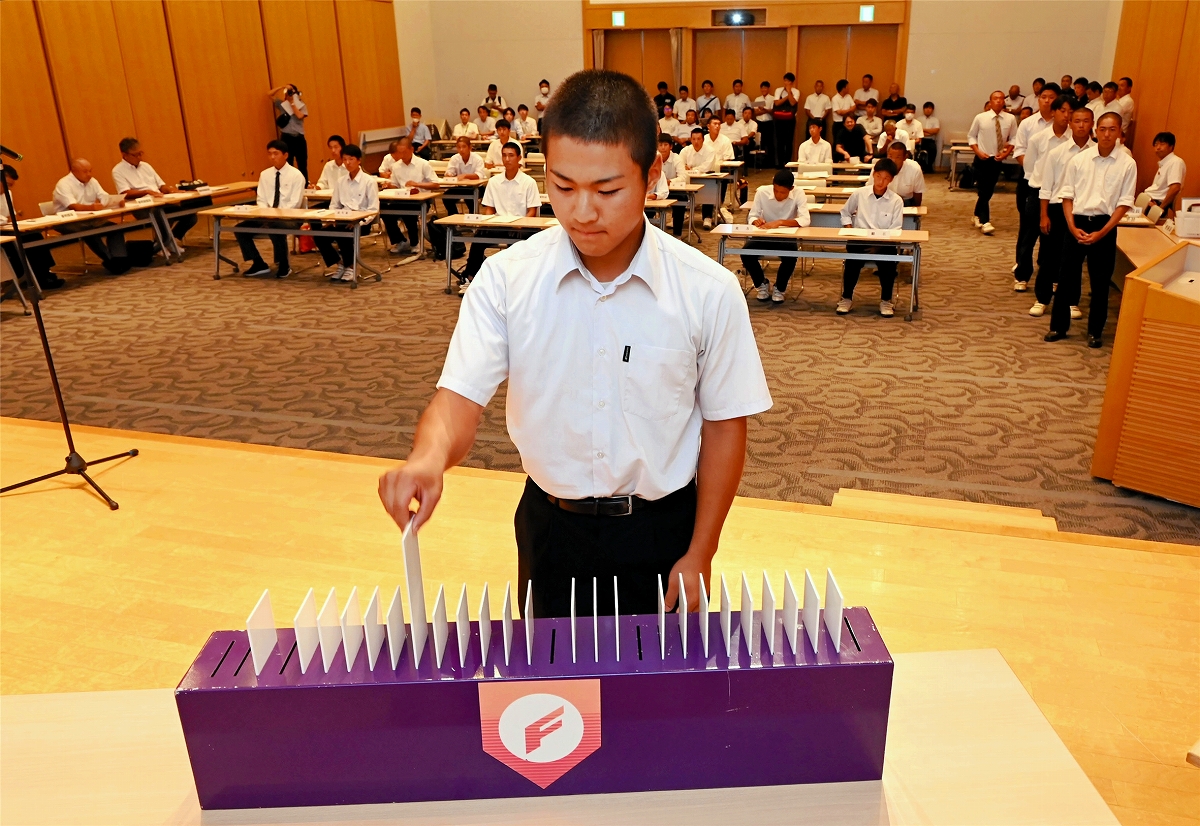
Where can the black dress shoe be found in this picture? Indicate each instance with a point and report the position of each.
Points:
(1053, 336)
(51, 283)
(1095, 342)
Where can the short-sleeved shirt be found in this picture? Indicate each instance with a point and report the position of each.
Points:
(512, 197)
(126, 176)
(1040, 145)
(358, 193)
(1171, 170)
(664, 100)
(861, 96)
(898, 102)
(866, 210)
(295, 125)
(470, 129)
(1053, 167)
(456, 167)
(420, 135)
(909, 180)
(737, 102)
(840, 103)
(70, 190)
(708, 103)
(819, 152)
(608, 382)
(854, 141)
(495, 151)
(819, 105)
(1096, 185)
(331, 173)
(682, 107)
(485, 126)
(417, 169)
(766, 102)
(766, 207)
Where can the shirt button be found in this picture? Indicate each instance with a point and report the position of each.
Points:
(602, 351)
(602, 404)
(604, 298)
(599, 454)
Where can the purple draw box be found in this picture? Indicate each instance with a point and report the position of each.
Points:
(360, 736)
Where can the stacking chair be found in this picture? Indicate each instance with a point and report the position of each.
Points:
(47, 208)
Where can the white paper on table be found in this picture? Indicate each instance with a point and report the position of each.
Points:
(812, 610)
(100, 212)
(329, 629)
(527, 617)
(145, 200)
(595, 621)
(791, 610)
(207, 189)
(305, 623)
(740, 228)
(395, 628)
(260, 628)
(441, 628)
(176, 196)
(834, 607)
(704, 617)
(506, 624)
(616, 620)
(781, 231)
(854, 232)
(726, 619)
(768, 613)
(244, 207)
(485, 625)
(415, 584)
(503, 219)
(662, 621)
(352, 629)
(462, 625)
(572, 619)
(373, 629)
(817, 174)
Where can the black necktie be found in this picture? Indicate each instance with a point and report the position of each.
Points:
(275, 204)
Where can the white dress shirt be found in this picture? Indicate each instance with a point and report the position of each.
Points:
(737, 103)
(819, 152)
(542, 99)
(818, 105)
(861, 96)
(1053, 167)
(865, 210)
(722, 150)
(360, 193)
(707, 103)
(662, 189)
(672, 168)
(1125, 106)
(1171, 170)
(528, 126)
(750, 129)
(126, 176)
(841, 103)
(470, 129)
(733, 131)
(495, 104)
(930, 122)
(682, 107)
(1014, 104)
(485, 126)
(1039, 146)
(909, 180)
(70, 190)
(1096, 185)
(671, 126)
(764, 102)
(495, 152)
(983, 131)
(456, 167)
(608, 383)
(417, 169)
(291, 187)
(1026, 129)
(331, 173)
(872, 126)
(766, 207)
(512, 197)
(697, 162)
(1097, 106)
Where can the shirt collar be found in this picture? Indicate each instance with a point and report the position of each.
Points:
(646, 264)
(1167, 158)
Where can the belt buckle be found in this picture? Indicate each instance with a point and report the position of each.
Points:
(628, 505)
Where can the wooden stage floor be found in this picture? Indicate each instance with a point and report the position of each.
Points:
(1104, 634)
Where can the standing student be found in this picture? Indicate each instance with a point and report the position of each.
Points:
(542, 101)
(737, 100)
(787, 103)
(1127, 109)
(1038, 83)
(485, 123)
(874, 207)
(1050, 171)
(664, 98)
(133, 177)
(815, 149)
(358, 192)
(494, 102)
(1065, 83)
(683, 104)
(603, 308)
(288, 101)
(1169, 177)
(991, 138)
(465, 126)
(465, 165)
(1079, 88)
(79, 191)
(930, 126)
(529, 126)
(40, 258)
(775, 207)
(280, 186)
(672, 168)
(1094, 90)
(494, 157)
(513, 193)
(867, 92)
(909, 181)
(722, 148)
(852, 145)
(707, 104)
(410, 174)
(1041, 145)
(333, 171)
(842, 104)
(1097, 190)
(764, 106)
(818, 104)
(422, 138)
(893, 106)
(1028, 210)
(1015, 101)
(1108, 101)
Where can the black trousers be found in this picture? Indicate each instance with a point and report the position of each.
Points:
(456, 195)
(180, 225)
(554, 545)
(987, 172)
(785, 135)
(678, 219)
(412, 224)
(279, 243)
(766, 140)
(297, 151)
(786, 265)
(929, 153)
(885, 269)
(1050, 259)
(344, 245)
(39, 258)
(476, 255)
(1029, 231)
(1101, 257)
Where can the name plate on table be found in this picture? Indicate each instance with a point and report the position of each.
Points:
(68, 213)
(204, 190)
(855, 232)
(245, 208)
(145, 200)
(176, 196)
(321, 213)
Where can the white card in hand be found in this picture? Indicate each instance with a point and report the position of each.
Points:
(527, 619)
(681, 608)
(415, 585)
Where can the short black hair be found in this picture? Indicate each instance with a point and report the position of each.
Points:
(1162, 137)
(513, 145)
(684, 89)
(698, 131)
(1052, 86)
(1128, 80)
(543, 80)
(464, 109)
(127, 144)
(873, 102)
(1109, 115)
(706, 83)
(842, 84)
(352, 150)
(766, 83)
(730, 112)
(785, 178)
(1110, 85)
(340, 140)
(1030, 108)
(662, 84)
(872, 77)
(789, 76)
(736, 81)
(414, 111)
(503, 124)
(456, 141)
(522, 106)
(928, 103)
(912, 106)
(886, 165)
(1095, 86)
(491, 86)
(603, 106)
(1041, 80)
(814, 122)
(665, 138)
(278, 144)
(1065, 100)
(1079, 80)
(11, 173)
(481, 106)
(900, 145)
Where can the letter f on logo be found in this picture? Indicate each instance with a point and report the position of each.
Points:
(540, 729)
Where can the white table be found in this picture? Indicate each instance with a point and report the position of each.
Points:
(966, 744)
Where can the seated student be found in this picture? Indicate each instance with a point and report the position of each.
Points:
(684, 136)
(81, 192)
(494, 157)
(485, 123)
(385, 165)
(871, 123)
(280, 186)
(513, 193)
(852, 143)
(357, 191)
(510, 115)
(494, 102)
(133, 178)
(749, 128)
(815, 149)
(909, 129)
(873, 207)
(672, 168)
(930, 126)
(422, 138)
(707, 104)
(39, 258)
(774, 207)
(909, 182)
(664, 99)
(668, 124)
(465, 165)
(697, 156)
(722, 151)
(1095, 100)
(1080, 87)
(333, 171)
(1168, 180)
(885, 139)
(529, 126)
(732, 129)
(683, 104)
(465, 125)
(410, 174)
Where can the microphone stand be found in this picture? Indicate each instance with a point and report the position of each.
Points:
(75, 464)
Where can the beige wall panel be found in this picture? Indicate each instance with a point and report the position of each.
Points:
(656, 60)
(248, 62)
(290, 60)
(764, 58)
(330, 85)
(623, 52)
(718, 57)
(822, 57)
(1154, 82)
(1131, 37)
(872, 50)
(1183, 119)
(387, 66)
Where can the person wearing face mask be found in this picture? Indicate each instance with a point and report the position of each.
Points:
(909, 129)
(421, 137)
(542, 101)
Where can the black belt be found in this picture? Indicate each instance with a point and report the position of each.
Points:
(603, 506)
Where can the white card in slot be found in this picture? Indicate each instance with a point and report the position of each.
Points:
(527, 617)
(206, 190)
(395, 628)
(507, 623)
(616, 620)
(260, 628)
(768, 613)
(746, 615)
(781, 231)
(462, 624)
(485, 625)
(352, 629)
(307, 638)
(415, 584)
(854, 232)
(884, 233)
(440, 627)
(320, 213)
(791, 610)
(573, 643)
(704, 617)
(812, 611)
(145, 200)
(373, 629)
(681, 609)
(726, 618)
(834, 608)
(595, 621)
(662, 621)
(329, 629)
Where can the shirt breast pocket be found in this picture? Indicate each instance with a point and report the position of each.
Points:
(656, 380)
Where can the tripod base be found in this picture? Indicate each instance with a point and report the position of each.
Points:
(77, 465)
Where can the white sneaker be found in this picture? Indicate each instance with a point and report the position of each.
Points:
(1037, 310)
(349, 275)
(1075, 313)
(975, 222)
(777, 296)
(337, 274)
(764, 292)
(886, 309)
(726, 215)
(708, 223)
(1014, 268)
(987, 229)
(462, 287)
(1020, 286)
(844, 306)
(394, 249)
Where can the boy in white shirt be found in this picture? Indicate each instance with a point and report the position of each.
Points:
(465, 165)
(529, 126)
(668, 124)
(707, 104)
(684, 136)
(697, 158)
(280, 186)
(775, 207)
(410, 174)
(738, 100)
(494, 102)
(909, 182)
(930, 126)
(871, 123)
(732, 129)
(515, 132)
(764, 105)
(722, 151)
(495, 157)
(465, 126)
(542, 100)
(485, 123)
(750, 128)
(818, 104)
(683, 104)
(672, 168)
(867, 92)
(815, 149)
(333, 171)
(1168, 180)
(420, 134)
(873, 207)
(843, 104)
(513, 193)
(911, 127)
(358, 191)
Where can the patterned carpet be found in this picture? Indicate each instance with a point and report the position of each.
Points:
(966, 402)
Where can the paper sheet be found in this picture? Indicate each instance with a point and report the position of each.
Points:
(507, 623)
(573, 643)
(595, 621)
(834, 606)
(662, 621)
(352, 629)
(485, 625)
(503, 219)
(726, 619)
(681, 610)
(329, 629)
(616, 620)
(395, 628)
(373, 629)
(260, 628)
(305, 623)
(441, 628)
(415, 585)
(746, 615)
(704, 617)
(527, 621)
(768, 613)
(812, 611)
(462, 624)
(791, 610)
